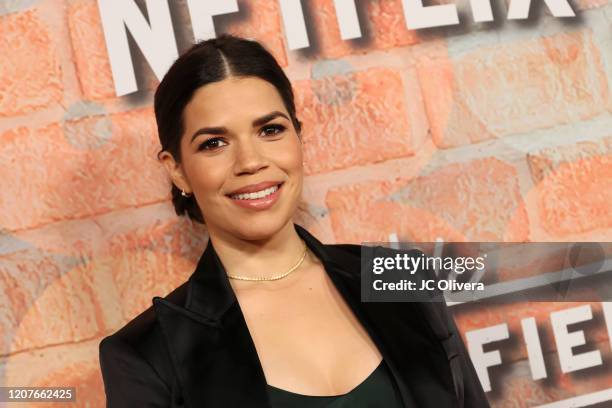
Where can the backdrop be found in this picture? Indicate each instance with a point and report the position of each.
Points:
(458, 121)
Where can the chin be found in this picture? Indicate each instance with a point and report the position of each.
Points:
(263, 228)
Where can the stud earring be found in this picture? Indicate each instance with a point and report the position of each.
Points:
(184, 194)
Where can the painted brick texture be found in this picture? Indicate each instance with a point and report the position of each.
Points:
(90, 55)
(344, 116)
(572, 184)
(31, 79)
(447, 204)
(79, 168)
(494, 92)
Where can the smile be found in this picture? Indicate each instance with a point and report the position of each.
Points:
(258, 200)
(257, 194)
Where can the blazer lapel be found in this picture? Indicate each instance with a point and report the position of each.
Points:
(217, 364)
(211, 349)
(409, 335)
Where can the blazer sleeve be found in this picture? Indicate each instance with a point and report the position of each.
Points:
(473, 393)
(443, 323)
(129, 380)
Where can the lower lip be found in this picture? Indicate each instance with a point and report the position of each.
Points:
(259, 203)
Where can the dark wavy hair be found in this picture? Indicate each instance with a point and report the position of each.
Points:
(206, 62)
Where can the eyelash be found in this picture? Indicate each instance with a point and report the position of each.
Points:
(277, 127)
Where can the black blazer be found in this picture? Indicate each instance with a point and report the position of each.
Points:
(193, 348)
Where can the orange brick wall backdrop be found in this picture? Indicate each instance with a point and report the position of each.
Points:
(498, 131)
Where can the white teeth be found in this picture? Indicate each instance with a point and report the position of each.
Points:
(255, 195)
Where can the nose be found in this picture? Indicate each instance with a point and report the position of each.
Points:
(248, 157)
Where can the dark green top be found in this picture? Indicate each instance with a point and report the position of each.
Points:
(376, 391)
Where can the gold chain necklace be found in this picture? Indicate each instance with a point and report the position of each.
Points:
(264, 278)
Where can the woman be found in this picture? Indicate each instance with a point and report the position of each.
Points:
(271, 317)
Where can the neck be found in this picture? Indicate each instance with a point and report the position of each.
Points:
(267, 257)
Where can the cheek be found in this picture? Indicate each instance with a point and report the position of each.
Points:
(290, 156)
(207, 175)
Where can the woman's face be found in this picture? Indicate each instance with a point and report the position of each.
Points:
(239, 133)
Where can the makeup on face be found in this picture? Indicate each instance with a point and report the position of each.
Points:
(243, 156)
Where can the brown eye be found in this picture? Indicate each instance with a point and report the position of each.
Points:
(271, 130)
(211, 144)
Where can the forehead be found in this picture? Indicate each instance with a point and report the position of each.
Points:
(232, 99)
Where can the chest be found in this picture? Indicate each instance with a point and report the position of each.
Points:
(211, 361)
(307, 338)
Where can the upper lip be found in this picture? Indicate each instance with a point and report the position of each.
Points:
(251, 188)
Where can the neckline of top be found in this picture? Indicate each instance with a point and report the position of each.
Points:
(365, 380)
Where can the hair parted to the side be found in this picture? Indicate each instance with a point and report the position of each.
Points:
(206, 62)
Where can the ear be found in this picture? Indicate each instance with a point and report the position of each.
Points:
(175, 171)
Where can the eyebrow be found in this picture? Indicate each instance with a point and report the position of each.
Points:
(220, 130)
